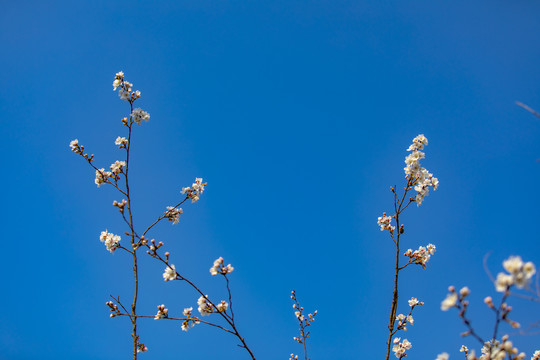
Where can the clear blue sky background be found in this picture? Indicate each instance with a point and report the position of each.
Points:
(298, 115)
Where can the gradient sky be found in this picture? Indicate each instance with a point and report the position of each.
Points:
(298, 115)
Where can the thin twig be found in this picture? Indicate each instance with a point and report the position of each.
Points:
(529, 109)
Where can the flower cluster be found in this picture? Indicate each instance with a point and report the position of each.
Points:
(403, 320)
(222, 306)
(162, 312)
(138, 115)
(118, 80)
(422, 179)
(400, 348)
(125, 92)
(384, 222)
(220, 268)
(170, 273)
(173, 214)
(75, 147)
(195, 191)
(117, 166)
(121, 142)
(420, 256)
(204, 307)
(190, 320)
(498, 350)
(520, 274)
(110, 240)
(102, 177)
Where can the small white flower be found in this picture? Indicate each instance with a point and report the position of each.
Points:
(170, 273)
(450, 301)
(139, 115)
(102, 177)
(222, 307)
(220, 268)
(121, 141)
(503, 282)
(173, 214)
(195, 191)
(110, 240)
(513, 264)
(413, 302)
(187, 311)
(124, 94)
(443, 356)
(74, 145)
(204, 308)
(384, 222)
(400, 348)
(117, 166)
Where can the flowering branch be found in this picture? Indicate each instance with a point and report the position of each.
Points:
(421, 180)
(304, 323)
(206, 306)
(519, 275)
(111, 241)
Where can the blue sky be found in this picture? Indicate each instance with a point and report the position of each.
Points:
(298, 115)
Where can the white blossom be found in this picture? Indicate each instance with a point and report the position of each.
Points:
(162, 312)
(222, 307)
(520, 274)
(450, 301)
(74, 145)
(400, 348)
(418, 143)
(423, 179)
(118, 79)
(173, 214)
(414, 301)
(422, 255)
(102, 176)
(139, 115)
(220, 268)
(384, 222)
(110, 240)
(117, 166)
(121, 141)
(190, 320)
(187, 311)
(195, 191)
(170, 273)
(204, 307)
(124, 94)
(503, 282)
(443, 356)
